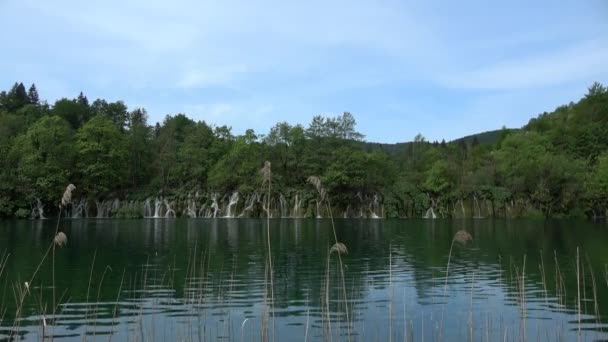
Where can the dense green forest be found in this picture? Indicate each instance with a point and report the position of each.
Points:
(122, 165)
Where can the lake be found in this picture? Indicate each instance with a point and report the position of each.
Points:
(207, 279)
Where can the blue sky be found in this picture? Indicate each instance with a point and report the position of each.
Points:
(444, 69)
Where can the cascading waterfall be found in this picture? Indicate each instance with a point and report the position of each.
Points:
(191, 209)
(234, 200)
(462, 208)
(148, 208)
(284, 206)
(430, 214)
(249, 203)
(38, 211)
(318, 209)
(215, 206)
(374, 207)
(478, 215)
(296, 207)
(169, 213)
(203, 211)
(80, 210)
(158, 206)
(101, 208)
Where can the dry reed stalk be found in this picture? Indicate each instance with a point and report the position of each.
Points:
(462, 237)
(116, 304)
(65, 200)
(390, 279)
(267, 178)
(404, 319)
(316, 182)
(470, 323)
(523, 296)
(103, 275)
(578, 289)
(596, 308)
(88, 290)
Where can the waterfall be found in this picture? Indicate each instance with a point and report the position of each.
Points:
(80, 210)
(249, 203)
(191, 210)
(430, 214)
(113, 208)
(284, 206)
(38, 211)
(477, 207)
(148, 208)
(169, 213)
(318, 210)
(215, 206)
(374, 206)
(101, 209)
(462, 208)
(158, 204)
(234, 199)
(296, 207)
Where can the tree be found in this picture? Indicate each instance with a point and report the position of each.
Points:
(44, 158)
(74, 112)
(15, 98)
(102, 157)
(82, 100)
(32, 95)
(115, 111)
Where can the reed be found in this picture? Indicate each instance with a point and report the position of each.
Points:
(59, 240)
(267, 179)
(462, 237)
(578, 290)
(316, 182)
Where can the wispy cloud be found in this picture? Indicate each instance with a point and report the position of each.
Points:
(250, 64)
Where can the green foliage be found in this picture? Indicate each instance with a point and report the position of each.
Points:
(102, 156)
(556, 165)
(44, 158)
(22, 213)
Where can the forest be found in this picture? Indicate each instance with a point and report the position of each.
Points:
(125, 166)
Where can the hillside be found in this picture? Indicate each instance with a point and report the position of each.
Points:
(556, 165)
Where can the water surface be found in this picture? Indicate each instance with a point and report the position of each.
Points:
(206, 279)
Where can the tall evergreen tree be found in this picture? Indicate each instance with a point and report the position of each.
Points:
(83, 100)
(32, 95)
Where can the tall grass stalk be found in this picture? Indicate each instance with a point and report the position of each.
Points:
(316, 182)
(59, 240)
(462, 237)
(390, 305)
(578, 290)
(267, 178)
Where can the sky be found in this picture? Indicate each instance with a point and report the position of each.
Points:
(444, 69)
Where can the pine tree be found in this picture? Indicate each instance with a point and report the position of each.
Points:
(83, 100)
(32, 95)
(16, 97)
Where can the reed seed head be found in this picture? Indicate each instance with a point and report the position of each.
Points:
(60, 239)
(67, 195)
(462, 236)
(339, 248)
(316, 182)
(266, 172)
